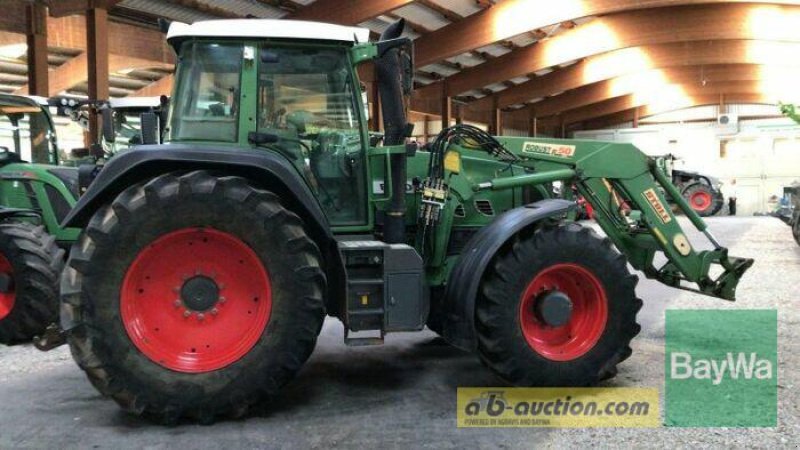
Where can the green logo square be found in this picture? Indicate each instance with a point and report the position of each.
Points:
(721, 368)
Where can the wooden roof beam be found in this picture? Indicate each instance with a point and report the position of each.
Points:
(659, 56)
(651, 80)
(695, 23)
(513, 17)
(351, 12)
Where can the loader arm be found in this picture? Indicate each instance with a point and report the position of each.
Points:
(626, 190)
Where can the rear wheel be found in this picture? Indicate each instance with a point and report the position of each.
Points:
(703, 199)
(30, 266)
(558, 308)
(196, 296)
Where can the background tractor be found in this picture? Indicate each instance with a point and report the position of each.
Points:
(702, 192)
(35, 195)
(789, 209)
(207, 263)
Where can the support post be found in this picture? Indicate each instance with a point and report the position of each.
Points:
(97, 51)
(426, 128)
(531, 121)
(636, 117)
(38, 78)
(447, 106)
(496, 124)
(36, 15)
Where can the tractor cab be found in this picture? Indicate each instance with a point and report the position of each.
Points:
(27, 132)
(288, 87)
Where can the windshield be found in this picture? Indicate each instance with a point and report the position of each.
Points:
(25, 129)
(306, 96)
(208, 84)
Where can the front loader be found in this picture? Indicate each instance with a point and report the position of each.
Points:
(207, 264)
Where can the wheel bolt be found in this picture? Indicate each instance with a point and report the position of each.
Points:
(201, 317)
(222, 299)
(177, 303)
(187, 313)
(214, 312)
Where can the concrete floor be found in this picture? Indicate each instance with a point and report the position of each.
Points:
(403, 394)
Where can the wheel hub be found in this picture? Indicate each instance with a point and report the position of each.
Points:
(199, 293)
(196, 300)
(553, 308)
(563, 311)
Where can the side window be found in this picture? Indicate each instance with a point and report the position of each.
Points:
(209, 81)
(306, 97)
(27, 134)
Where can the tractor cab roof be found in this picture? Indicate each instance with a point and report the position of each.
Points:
(266, 29)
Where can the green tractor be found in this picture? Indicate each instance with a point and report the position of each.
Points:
(207, 263)
(35, 196)
(702, 192)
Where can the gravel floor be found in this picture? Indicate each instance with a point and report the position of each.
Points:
(403, 394)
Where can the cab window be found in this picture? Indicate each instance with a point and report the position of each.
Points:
(306, 97)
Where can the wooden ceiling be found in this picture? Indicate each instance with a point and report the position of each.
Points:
(564, 63)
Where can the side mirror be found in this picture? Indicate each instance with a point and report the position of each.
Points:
(150, 129)
(108, 125)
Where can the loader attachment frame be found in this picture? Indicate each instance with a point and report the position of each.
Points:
(627, 191)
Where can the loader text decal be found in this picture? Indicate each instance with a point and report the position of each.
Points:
(721, 368)
(558, 407)
(652, 197)
(559, 150)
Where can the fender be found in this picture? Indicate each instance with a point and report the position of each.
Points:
(465, 279)
(267, 169)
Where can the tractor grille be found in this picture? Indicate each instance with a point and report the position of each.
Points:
(459, 211)
(484, 207)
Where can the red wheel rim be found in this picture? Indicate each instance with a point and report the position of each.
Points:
(700, 200)
(168, 327)
(586, 323)
(7, 299)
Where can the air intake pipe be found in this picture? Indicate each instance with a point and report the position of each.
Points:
(393, 70)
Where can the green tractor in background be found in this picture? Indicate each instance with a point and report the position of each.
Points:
(36, 193)
(207, 263)
(702, 192)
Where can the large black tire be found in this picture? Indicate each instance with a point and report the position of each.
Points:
(796, 230)
(502, 343)
(36, 262)
(712, 199)
(116, 236)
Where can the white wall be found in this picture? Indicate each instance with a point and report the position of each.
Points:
(761, 155)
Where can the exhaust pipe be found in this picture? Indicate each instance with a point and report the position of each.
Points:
(390, 87)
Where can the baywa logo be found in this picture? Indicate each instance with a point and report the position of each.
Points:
(721, 368)
(741, 366)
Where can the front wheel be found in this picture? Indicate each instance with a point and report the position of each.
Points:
(557, 308)
(194, 296)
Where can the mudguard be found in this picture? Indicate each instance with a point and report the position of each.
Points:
(467, 275)
(267, 169)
